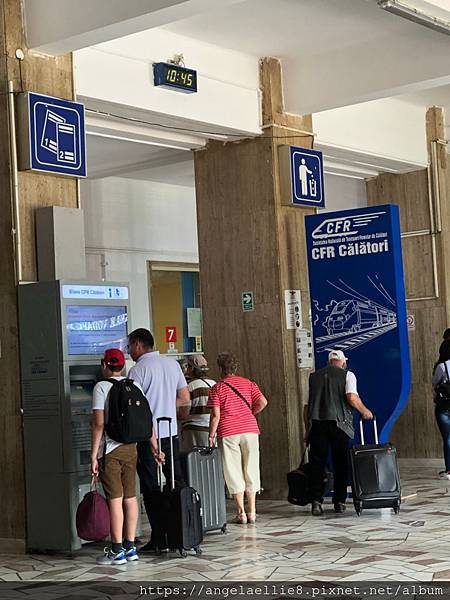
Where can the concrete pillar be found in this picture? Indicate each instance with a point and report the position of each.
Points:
(249, 241)
(51, 76)
(425, 221)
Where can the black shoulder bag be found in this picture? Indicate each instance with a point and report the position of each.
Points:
(238, 393)
(442, 393)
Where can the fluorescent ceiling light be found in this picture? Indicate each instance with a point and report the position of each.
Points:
(417, 16)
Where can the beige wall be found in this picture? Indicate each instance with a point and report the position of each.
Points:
(423, 200)
(167, 307)
(415, 434)
(51, 76)
(249, 241)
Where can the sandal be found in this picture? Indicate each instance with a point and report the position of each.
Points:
(251, 518)
(240, 519)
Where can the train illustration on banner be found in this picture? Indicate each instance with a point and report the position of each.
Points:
(355, 320)
(355, 315)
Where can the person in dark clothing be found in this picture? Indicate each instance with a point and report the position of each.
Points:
(165, 388)
(441, 372)
(328, 419)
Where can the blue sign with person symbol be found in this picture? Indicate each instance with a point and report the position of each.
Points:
(56, 135)
(307, 177)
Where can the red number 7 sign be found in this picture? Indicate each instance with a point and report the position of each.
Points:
(171, 334)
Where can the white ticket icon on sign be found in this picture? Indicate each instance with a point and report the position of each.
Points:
(49, 132)
(66, 143)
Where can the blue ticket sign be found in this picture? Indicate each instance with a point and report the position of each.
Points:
(52, 135)
(306, 169)
(358, 303)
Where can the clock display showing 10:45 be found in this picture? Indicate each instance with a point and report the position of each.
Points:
(174, 76)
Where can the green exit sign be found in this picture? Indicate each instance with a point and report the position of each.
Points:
(247, 301)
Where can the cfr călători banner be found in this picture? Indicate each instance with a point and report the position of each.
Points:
(358, 303)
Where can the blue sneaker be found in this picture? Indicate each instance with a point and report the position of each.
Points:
(131, 554)
(112, 558)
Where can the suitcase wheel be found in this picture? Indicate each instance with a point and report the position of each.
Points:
(198, 550)
(182, 552)
(224, 528)
(358, 508)
(396, 508)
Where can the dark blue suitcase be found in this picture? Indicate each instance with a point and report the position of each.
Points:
(375, 475)
(182, 510)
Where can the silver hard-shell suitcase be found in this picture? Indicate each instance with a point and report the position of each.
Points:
(203, 470)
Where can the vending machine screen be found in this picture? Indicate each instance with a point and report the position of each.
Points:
(91, 329)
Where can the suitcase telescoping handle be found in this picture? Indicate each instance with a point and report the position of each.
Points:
(172, 464)
(375, 429)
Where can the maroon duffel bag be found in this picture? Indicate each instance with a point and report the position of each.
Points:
(92, 519)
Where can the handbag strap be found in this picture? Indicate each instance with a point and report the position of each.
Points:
(302, 462)
(446, 370)
(238, 393)
(204, 381)
(103, 458)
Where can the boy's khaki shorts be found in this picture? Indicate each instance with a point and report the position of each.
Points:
(118, 472)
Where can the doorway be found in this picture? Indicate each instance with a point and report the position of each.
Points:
(175, 307)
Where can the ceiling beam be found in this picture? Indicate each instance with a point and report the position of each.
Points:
(60, 26)
(127, 130)
(109, 81)
(374, 70)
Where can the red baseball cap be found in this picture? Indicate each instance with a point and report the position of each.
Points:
(114, 358)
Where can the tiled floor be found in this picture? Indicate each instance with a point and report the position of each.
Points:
(287, 543)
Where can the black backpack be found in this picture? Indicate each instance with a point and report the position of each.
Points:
(130, 419)
(442, 393)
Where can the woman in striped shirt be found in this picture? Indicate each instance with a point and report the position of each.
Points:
(234, 402)
(195, 417)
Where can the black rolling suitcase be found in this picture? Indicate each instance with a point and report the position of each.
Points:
(183, 512)
(376, 479)
(204, 472)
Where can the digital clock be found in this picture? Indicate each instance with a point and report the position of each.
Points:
(174, 76)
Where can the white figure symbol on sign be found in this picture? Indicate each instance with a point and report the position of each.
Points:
(303, 173)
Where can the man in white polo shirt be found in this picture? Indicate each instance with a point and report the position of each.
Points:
(165, 388)
(329, 424)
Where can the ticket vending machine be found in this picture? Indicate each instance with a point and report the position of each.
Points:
(65, 328)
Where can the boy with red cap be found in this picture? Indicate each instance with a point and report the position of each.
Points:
(117, 469)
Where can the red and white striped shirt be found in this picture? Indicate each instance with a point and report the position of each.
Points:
(235, 416)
